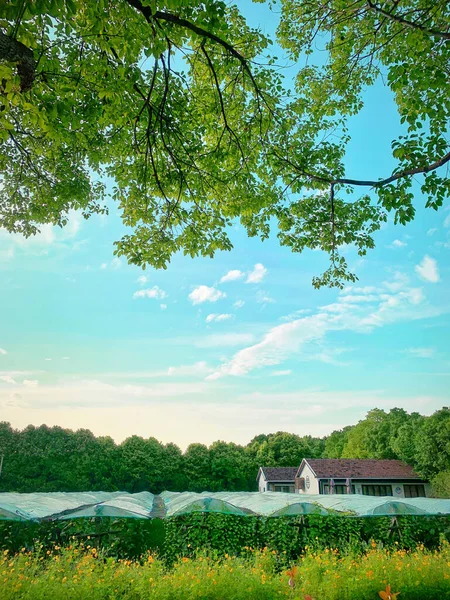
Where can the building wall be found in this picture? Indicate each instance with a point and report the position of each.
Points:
(262, 483)
(309, 476)
(398, 487)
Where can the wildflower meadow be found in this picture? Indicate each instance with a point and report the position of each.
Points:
(81, 571)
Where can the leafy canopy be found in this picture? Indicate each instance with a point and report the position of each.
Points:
(174, 105)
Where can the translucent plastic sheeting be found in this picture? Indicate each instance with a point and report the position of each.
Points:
(62, 505)
(144, 505)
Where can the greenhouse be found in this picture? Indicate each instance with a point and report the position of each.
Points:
(38, 507)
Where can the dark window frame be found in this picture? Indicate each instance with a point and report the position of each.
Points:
(376, 489)
(414, 490)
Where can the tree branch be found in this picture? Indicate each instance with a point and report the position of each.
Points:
(159, 15)
(13, 51)
(367, 182)
(403, 21)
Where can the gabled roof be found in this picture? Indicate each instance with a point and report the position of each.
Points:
(278, 473)
(365, 468)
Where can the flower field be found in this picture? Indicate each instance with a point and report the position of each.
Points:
(81, 572)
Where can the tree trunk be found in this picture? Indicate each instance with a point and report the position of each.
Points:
(13, 51)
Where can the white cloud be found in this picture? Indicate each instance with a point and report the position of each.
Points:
(421, 352)
(368, 289)
(116, 263)
(356, 299)
(399, 282)
(8, 379)
(264, 298)
(3, 351)
(104, 266)
(232, 275)
(432, 231)
(258, 274)
(48, 235)
(278, 343)
(163, 306)
(203, 293)
(65, 358)
(284, 373)
(428, 269)
(300, 335)
(154, 292)
(30, 382)
(239, 304)
(47, 359)
(447, 221)
(198, 369)
(216, 317)
(398, 244)
(142, 280)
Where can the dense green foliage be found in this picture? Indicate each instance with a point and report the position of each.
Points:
(179, 108)
(227, 534)
(39, 459)
(81, 573)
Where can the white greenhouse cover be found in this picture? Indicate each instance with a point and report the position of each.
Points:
(144, 505)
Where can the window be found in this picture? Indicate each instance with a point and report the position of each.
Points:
(414, 491)
(377, 490)
(338, 489)
(287, 489)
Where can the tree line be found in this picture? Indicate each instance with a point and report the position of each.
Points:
(53, 459)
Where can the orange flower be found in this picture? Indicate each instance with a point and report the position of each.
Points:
(291, 574)
(387, 594)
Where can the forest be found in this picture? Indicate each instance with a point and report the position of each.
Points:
(51, 459)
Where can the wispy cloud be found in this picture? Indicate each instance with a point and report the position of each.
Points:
(258, 274)
(198, 369)
(8, 379)
(232, 275)
(428, 269)
(154, 292)
(142, 280)
(203, 293)
(218, 317)
(421, 352)
(3, 351)
(295, 336)
(239, 304)
(397, 244)
(30, 382)
(432, 231)
(163, 306)
(283, 373)
(115, 264)
(264, 298)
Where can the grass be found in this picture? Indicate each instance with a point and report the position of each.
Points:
(82, 573)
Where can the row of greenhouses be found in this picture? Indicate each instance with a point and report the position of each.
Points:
(144, 505)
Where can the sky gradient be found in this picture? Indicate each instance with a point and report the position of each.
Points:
(231, 347)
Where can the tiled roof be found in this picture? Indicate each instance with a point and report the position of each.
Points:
(279, 473)
(361, 468)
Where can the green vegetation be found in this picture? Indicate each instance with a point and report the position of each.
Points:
(44, 459)
(228, 534)
(79, 573)
(179, 108)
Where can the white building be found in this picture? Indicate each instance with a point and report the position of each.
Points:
(277, 479)
(368, 477)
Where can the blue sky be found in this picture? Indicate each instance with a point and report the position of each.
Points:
(230, 347)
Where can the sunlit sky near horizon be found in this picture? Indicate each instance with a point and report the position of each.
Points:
(234, 346)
